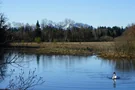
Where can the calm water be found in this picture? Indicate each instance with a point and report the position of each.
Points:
(63, 72)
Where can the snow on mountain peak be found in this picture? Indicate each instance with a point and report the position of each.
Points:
(66, 24)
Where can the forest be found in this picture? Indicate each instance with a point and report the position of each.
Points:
(44, 32)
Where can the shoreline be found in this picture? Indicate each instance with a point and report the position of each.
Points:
(53, 48)
(102, 49)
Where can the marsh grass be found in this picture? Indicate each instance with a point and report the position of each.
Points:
(71, 48)
(102, 49)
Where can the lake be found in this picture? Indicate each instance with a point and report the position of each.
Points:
(66, 72)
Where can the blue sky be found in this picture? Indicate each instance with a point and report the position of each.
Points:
(92, 12)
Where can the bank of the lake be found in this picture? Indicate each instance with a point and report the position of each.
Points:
(66, 48)
(103, 49)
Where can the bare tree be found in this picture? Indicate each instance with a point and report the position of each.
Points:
(21, 83)
(2, 20)
(125, 45)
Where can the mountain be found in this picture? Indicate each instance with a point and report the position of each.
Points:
(81, 25)
(66, 24)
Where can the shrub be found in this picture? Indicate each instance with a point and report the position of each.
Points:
(38, 39)
(126, 43)
(106, 38)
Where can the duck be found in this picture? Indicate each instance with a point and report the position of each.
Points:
(114, 76)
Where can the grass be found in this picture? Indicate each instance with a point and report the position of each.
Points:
(70, 48)
(103, 49)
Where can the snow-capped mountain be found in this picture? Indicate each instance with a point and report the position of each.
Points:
(81, 25)
(66, 24)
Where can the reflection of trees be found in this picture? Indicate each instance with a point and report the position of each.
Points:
(65, 61)
(3, 66)
(125, 65)
(38, 58)
(121, 64)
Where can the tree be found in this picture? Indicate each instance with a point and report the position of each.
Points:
(38, 30)
(2, 29)
(125, 44)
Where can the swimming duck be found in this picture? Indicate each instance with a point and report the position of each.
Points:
(114, 76)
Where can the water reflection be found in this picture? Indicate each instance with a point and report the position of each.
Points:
(125, 65)
(8, 58)
(122, 65)
(114, 83)
(3, 66)
(62, 60)
(67, 61)
(38, 58)
(75, 72)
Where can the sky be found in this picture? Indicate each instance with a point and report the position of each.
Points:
(92, 12)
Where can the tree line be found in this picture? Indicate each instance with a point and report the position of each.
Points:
(29, 33)
(48, 33)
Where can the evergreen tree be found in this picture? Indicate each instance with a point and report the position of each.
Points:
(38, 30)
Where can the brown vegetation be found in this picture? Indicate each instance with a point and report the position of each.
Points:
(124, 46)
(70, 48)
